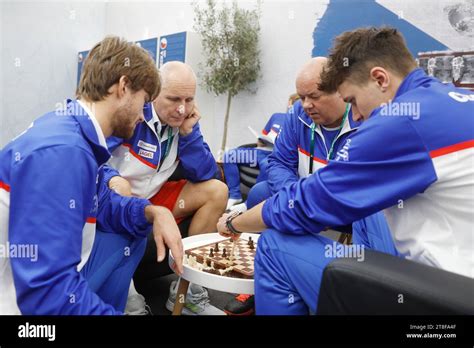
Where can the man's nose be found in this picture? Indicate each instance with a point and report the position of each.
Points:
(307, 104)
(181, 109)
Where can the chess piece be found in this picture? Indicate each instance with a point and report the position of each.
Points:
(216, 247)
(251, 246)
(224, 253)
(211, 254)
(250, 241)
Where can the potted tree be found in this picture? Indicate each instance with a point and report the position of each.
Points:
(230, 41)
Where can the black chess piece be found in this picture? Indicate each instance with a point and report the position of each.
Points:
(216, 247)
(250, 241)
(224, 253)
(251, 245)
(211, 254)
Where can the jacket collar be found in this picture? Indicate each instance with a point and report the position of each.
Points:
(413, 80)
(348, 126)
(98, 130)
(90, 129)
(151, 117)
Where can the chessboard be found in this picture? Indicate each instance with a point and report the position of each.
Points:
(215, 258)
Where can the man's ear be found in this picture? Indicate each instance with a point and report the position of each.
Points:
(381, 78)
(122, 86)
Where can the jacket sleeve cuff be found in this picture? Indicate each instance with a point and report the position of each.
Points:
(190, 137)
(142, 226)
(109, 173)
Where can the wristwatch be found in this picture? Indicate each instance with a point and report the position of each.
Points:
(228, 222)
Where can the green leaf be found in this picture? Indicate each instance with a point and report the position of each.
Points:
(230, 41)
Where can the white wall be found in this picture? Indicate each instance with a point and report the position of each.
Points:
(142, 20)
(39, 45)
(286, 42)
(3, 135)
(46, 36)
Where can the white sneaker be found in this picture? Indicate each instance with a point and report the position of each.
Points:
(136, 305)
(197, 301)
(239, 207)
(233, 201)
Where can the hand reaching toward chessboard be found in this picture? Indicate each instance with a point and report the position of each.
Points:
(223, 230)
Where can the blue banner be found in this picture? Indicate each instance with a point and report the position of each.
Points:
(172, 47)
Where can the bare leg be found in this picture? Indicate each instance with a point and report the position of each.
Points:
(207, 200)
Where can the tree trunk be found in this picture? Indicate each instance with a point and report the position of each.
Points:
(226, 122)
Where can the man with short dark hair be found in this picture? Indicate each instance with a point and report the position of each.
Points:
(314, 131)
(412, 157)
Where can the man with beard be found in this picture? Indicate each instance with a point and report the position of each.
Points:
(142, 164)
(52, 196)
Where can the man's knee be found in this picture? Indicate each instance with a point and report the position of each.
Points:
(216, 190)
(270, 239)
(267, 243)
(265, 246)
(310, 247)
(288, 274)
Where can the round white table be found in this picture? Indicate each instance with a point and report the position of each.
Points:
(209, 280)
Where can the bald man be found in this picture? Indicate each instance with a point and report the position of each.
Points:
(317, 131)
(314, 131)
(325, 115)
(170, 137)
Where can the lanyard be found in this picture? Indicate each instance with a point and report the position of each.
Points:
(338, 133)
(168, 146)
(311, 149)
(331, 150)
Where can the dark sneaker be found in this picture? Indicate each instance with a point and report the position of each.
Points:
(242, 304)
